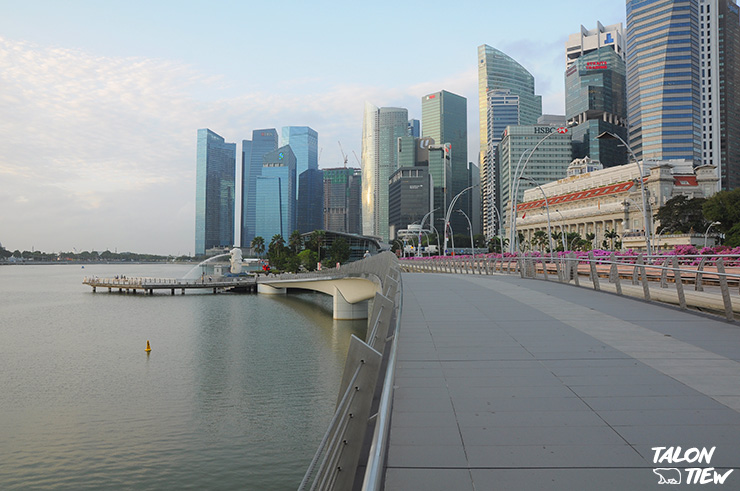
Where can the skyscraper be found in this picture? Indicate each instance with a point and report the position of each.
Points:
(342, 191)
(444, 119)
(549, 163)
(596, 101)
(664, 79)
(305, 145)
(381, 129)
(310, 203)
(502, 111)
(719, 24)
(275, 211)
(263, 142)
(587, 41)
(214, 192)
(498, 71)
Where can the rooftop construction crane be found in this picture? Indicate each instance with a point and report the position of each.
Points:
(344, 156)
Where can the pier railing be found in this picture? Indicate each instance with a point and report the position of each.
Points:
(356, 438)
(703, 282)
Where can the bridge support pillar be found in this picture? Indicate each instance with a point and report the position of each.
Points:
(343, 310)
(270, 290)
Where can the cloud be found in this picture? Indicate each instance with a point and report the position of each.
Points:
(101, 150)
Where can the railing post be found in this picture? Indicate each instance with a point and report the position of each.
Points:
(679, 284)
(698, 286)
(614, 273)
(544, 270)
(724, 289)
(574, 265)
(643, 277)
(594, 273)
(664, 274)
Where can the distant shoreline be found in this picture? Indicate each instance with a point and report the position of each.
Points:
(39, 263)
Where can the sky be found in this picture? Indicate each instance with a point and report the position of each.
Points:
(100, 101)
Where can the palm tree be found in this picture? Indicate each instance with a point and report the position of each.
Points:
(317, 237)
(611, 235)
(539, 238)
(295, 242)
(258, 244)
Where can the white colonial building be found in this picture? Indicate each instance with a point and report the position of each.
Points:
(610, 200)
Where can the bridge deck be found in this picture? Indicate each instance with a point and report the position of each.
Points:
(505, 383)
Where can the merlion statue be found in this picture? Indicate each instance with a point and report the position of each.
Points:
(236, 260)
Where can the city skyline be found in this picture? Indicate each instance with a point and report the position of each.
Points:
(101, 104)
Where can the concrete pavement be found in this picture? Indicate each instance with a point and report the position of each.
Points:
(510, 383)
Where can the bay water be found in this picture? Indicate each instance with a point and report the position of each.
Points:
(236, 393)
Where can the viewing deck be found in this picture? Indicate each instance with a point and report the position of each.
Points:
(504, 382)
(148, 285)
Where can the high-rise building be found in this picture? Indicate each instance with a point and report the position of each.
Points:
(548, 163)
(414, 128)
(263, 142)
(444, 119)
(409, 198)
(498, 71)
(310, 204)
(214, 192)
(275, 210)
(664, 79)
(719, 25)
(342, 190)
(596, 102)
(380, 132)
(304, 142)
(502, 111)
(587, 41)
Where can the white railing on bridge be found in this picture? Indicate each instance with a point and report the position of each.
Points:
(714, 276)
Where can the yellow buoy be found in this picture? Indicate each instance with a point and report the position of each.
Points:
(148, 348)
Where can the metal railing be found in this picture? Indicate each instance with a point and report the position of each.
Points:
(713, 277)
(336, 461)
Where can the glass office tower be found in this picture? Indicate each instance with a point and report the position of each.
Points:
(380, 132)
(275, 191)
(263, 142)
(664, 79)
(596, 99)
(214, 192)
(444, 119)
(310, 203)
(502, 111)
(498, 71)
(719, 24)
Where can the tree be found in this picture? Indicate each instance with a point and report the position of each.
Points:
(295, 242)
(339, 251)
(539, 239)
(316, 241)
(277, 252)
(612, 235)
(681, 214)
(724, 207)
(494, 245)
(307, 259)
(258, 244)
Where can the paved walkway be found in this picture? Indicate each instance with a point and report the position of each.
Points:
(513, 384)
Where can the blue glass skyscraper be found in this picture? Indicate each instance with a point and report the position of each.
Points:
(263, 142)
(274, 197)
(305, 145)
(310, 204)
(214, 192)
(664, 79)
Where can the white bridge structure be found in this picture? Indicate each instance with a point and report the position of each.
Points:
(351, 285)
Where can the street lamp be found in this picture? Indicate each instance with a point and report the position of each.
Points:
(470, 228)
(547, 207)
(436, 233)
(561, 130)
(646, 217)
(449, 212)
(500, 229)
(421, 227)
(706, 234)
(562, 230)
